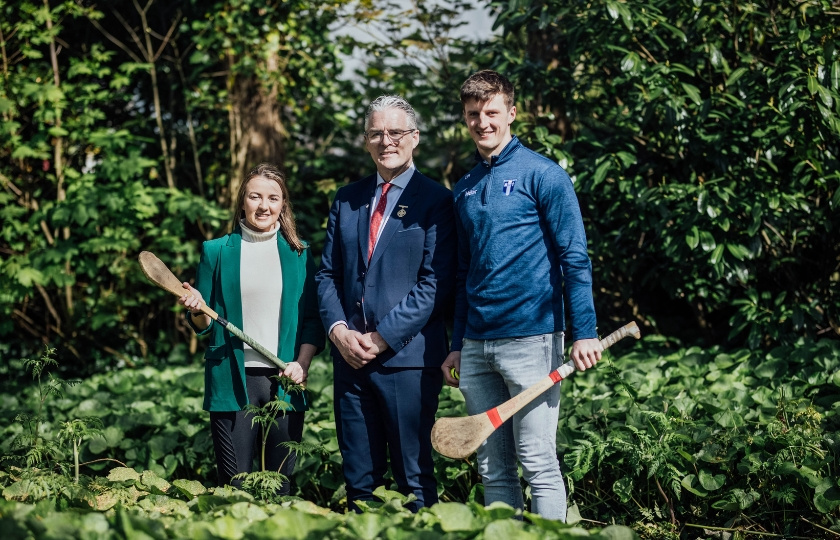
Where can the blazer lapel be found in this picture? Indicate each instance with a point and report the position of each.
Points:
(290, 266)
(364, 217)
(230, 278)
(407, 198)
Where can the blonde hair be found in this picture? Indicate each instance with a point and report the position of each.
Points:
(287, 218)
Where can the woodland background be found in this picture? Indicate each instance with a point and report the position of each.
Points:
(703, 138)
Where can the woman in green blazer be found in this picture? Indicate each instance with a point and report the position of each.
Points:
(260, 277)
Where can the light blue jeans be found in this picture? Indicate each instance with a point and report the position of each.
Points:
(491, 372)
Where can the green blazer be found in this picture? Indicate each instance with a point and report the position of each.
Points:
(218, 282)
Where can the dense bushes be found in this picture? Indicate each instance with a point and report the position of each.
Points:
(705, 142)
(659, 438)
(703, 137)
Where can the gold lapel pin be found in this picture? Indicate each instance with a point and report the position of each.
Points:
(401, 213)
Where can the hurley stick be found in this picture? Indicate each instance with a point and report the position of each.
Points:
(459, 437)
(160, 275)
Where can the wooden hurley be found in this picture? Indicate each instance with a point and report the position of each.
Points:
(159, 274)
(459, 437)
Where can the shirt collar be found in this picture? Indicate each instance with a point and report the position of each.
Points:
(502, 156)
(401, 180)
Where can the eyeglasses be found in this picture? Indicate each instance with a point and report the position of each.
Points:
(395, 135)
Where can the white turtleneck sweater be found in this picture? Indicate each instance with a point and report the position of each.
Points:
(262, 288)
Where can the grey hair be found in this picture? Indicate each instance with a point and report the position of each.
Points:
(391, 102)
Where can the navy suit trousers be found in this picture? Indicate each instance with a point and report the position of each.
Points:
(379, 408)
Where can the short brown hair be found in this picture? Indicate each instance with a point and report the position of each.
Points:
(287, 218)
(486, 84)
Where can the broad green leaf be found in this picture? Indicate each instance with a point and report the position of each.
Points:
(161, 445)
(247, 511)
(827, 496)
(612, 9)
(768, 369)
(294, 525)
(813, 84)
(630, 62)
(189, 488)
(494, 511)
(729, 419)
(736, 74)
(691, 484)
(162, 504)
(739, 252)
(23, 152)
(455, 517)
(692, 92)
(601, 173)
(573, 514)
(745, 499)
(825, 96)
(29, 276)
(123, 474)
(623, 487)
(154, 483)
(693, 238)
(627, 159)
(225, 527)
(386, 495)
(366, 526)
(710, 482)
(715, 56)
(509, 529)
(56, 131)
(707, 241)
(717, 255)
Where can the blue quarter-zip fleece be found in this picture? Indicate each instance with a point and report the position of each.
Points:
(521, 250)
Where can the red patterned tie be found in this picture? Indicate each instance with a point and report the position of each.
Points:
(376, 219)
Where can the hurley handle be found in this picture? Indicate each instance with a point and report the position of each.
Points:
(629, 329)
(160, 274)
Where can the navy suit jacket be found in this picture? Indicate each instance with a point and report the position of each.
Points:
(402, 291)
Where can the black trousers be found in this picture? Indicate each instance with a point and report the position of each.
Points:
(237, 443)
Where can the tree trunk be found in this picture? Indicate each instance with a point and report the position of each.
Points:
(257, 133)
(58, 156)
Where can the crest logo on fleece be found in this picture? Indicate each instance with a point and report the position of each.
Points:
(507, 187)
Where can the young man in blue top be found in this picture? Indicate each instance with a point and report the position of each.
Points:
(522, 255)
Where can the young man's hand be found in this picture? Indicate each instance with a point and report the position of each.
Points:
(451, 368)
(586, 353)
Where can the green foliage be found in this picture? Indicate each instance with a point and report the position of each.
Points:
(231, 514)
(416, 50)
(702, 137)
(707, 437)
(263, 485)
(703, 140)
(118, 134)
(660, 438)
(132, 501)
(29, 446)
(266, 418)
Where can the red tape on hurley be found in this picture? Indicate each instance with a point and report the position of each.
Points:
(493, 415)
(555, 376)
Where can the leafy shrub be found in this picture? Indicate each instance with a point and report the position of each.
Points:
(660, 437)
(708, 437)
(704, 140)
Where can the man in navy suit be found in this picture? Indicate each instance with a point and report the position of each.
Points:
(387, 270)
